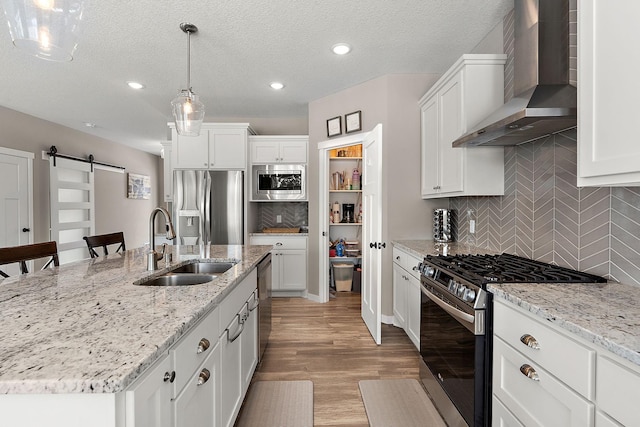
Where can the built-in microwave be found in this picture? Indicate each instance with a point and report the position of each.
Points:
(278, 182)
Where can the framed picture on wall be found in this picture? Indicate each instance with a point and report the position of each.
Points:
(353, 122)
(334, 126)
(138, 186)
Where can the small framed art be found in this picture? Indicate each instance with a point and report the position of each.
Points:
(334, 126)
(353, 122)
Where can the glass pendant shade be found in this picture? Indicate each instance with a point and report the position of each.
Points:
(188, 112)
(48, 29)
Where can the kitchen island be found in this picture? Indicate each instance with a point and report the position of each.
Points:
(86, 329)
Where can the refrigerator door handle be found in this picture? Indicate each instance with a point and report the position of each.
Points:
(206, 232)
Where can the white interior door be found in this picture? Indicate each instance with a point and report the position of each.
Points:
(372, 232)
(16, 202)
(72, 207)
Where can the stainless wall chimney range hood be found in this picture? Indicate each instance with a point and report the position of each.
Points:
(545, 103)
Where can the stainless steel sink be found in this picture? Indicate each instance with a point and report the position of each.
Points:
(180, 279)
(204, 268)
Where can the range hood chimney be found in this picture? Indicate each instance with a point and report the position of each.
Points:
(545, 103)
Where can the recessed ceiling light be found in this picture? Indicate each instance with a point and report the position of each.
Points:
(89, 124)
(135, 85)
(276, 85)
(341, 48)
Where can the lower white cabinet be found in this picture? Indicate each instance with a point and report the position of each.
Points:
(288, 263)
(617, 389)
(249, 341)
(406, 294)
(148, 400)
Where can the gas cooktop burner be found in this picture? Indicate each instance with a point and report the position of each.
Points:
(506, 268)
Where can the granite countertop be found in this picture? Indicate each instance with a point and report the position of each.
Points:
(605, 314)
(85, 328)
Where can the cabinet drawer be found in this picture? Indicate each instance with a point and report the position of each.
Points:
(192, 349)
(617, 391)
(281, 242)
(501, 417)
(545, 402)
(406, 261)
(569, 361)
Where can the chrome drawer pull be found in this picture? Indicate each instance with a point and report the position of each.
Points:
(169, 376)
(530, 341)
(203, 345)
(204, 376)
(529, 372)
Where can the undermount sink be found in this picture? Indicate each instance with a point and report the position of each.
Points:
(183, 279)
(204, 268)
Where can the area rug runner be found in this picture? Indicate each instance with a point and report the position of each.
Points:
(398, 403)
(278, 404)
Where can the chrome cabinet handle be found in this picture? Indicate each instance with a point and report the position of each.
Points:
(529, 372)
(204, 376)
(398, 257)
(239, 332)
(530, 341)
(254, 303)
(169, 376)
(203, 345)
(278, 243)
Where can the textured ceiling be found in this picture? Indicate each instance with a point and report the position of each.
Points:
(240, 48)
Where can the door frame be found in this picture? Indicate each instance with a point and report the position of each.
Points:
(324, 147)
(29, 157)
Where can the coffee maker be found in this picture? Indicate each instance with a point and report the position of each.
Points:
(348, 210)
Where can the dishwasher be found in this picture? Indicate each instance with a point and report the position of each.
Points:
(264, 307)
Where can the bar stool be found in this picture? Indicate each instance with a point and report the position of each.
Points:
(105, 240)
(24, 253)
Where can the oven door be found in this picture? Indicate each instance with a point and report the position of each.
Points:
(278, 182)
(455, 359)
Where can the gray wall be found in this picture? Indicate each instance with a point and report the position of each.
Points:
(114, 212)
(393, 101)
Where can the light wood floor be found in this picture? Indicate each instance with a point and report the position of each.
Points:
(330, 345)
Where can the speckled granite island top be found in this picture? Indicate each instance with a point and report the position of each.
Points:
(85, 328)
(607, 315)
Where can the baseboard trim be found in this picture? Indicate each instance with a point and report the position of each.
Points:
(314, 298)
(386, 319)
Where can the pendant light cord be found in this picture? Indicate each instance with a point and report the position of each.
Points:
(189, 62)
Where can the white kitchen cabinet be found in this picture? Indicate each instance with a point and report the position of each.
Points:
(288, 261)
(608, 90)
(249, 342)
(279, 149)
(199, 403)
(617, 385)
(168, 171)
(221, 146)
(148, 400)
(471, 89)
(406, 294)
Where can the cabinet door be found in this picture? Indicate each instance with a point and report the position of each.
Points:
(231, 372)
(148, 400)
(430, 159)
(608, 152)
(293, 274)
(399, 297)
(451, 127)
(191, 152)
(293, 152)
(413, 310)
(199, 403)
(265, 152)
(227, 149)
(544, 401)
(249, 343)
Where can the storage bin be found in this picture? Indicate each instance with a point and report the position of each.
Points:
(343, 276)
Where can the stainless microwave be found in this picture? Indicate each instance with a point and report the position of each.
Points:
(278, 182)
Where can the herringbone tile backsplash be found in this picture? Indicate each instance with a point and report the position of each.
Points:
(543, 214)
(292, 214)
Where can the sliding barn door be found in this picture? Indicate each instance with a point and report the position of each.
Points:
(72, 207)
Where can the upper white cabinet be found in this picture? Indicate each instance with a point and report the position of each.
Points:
(608, 90)
(219, 146)
(471, 89)
(279, 149)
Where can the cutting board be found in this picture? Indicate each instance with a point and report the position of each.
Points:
(281, 230)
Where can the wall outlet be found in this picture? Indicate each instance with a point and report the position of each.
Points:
(279, 219)
(472, 226)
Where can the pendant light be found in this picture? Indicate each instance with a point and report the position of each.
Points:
(47, 29)
(188, 111)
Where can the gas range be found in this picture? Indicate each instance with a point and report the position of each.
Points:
(465, 276)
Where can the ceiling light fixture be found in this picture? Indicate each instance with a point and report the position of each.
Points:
(135, 85)
(341, 48)
(47, 29)
(276, 85)
(188, 111)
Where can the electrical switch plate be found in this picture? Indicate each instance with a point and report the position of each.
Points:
(278, 219)
(472, 226)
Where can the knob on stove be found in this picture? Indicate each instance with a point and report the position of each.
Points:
(469, 295)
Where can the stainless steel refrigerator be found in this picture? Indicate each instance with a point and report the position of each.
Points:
(208, 207)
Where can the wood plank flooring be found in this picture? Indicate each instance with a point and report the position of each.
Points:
(330, 345)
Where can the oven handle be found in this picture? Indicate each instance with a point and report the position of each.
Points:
(458, 314)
